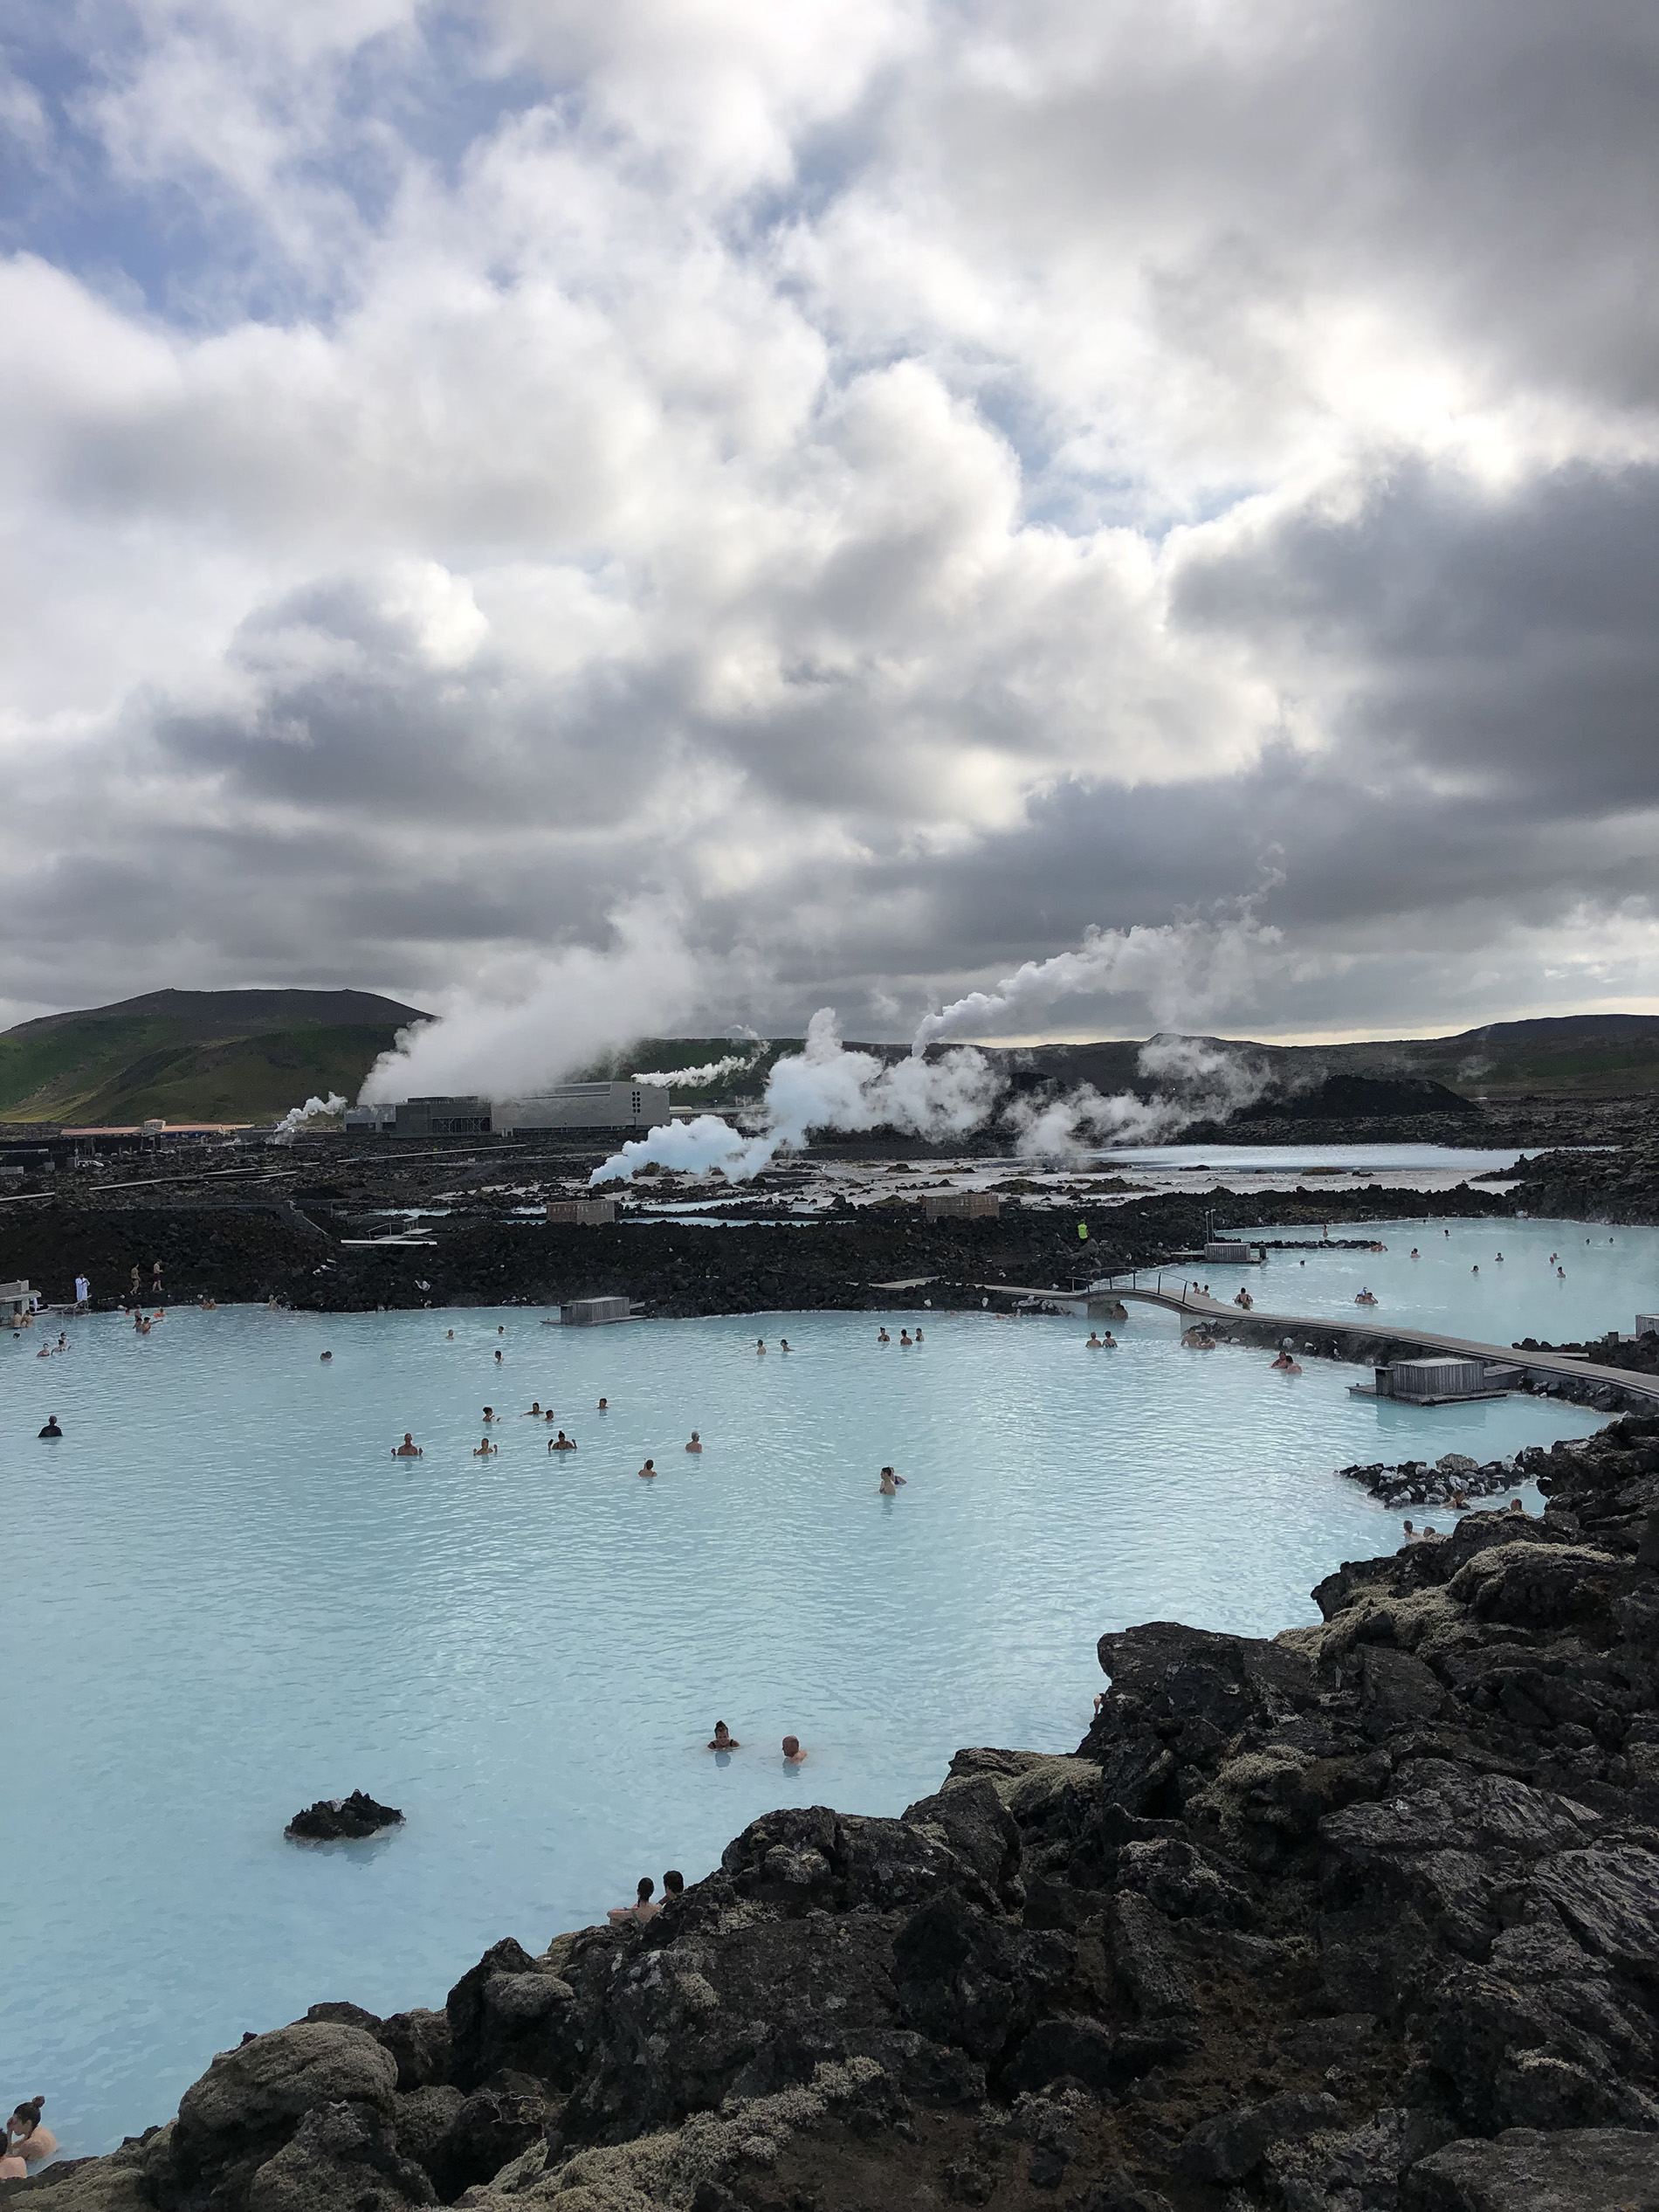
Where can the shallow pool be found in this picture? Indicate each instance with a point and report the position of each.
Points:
(1282, 1159)
(1458, 1284)
(225, 1598)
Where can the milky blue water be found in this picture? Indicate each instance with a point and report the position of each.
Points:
(1458, 1284)
(224, 1598)
(1288, 1159)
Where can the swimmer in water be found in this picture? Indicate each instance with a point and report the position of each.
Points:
(1412, 1536)
(723, 1740)
(52, 1427)
(1285, 1365)
(498, 1359)
(1474, 1271)
(501, 1328)
(1500, 1260)
(1093, 1344)
(486, 1448)
(696, 1443)
(1415, 1253)
(881, 1337)
(648, 1471)
(408, 1450)
(533, 1411)
(792, 1755)
(904, 1340)
(889, 1483)
(26, 2139)
(489, 1416)
(641, 1909)
(563, 1442)
(449, 1336)
(759, 1347)
(325, 1355)
(1516, 1506)
(783, 1344)
(1108, 1342)
(918, 1336)
(604, 1405)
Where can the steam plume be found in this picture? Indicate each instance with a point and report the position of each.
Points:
(570, 1008)
(296, 1117)
(711, 1071)
(825, 1086)
(1199, 1079)
(1184, 970)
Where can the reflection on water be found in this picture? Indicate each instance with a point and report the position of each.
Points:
(226, 1599)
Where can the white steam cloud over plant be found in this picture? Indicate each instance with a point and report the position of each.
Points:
(825, 1086)
(314, 1109)
(1199, 1079)
(1185, 970)
(698, 1078)
(565, 1011)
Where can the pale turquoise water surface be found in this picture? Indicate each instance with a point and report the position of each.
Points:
(224, 1598)
(1458, 1284)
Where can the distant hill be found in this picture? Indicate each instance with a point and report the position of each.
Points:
(195, 1056)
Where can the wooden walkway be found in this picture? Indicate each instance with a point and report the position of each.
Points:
(1190, 1302)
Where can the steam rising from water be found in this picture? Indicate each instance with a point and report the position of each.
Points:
(825, 1087)
(1206, 1082)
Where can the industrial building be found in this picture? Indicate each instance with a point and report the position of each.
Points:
(423, 1118)
(567, 1105)
(585, 1106)
(962, 1205)
(583, 1213)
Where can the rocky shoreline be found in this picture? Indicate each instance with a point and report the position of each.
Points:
(1364, 1918)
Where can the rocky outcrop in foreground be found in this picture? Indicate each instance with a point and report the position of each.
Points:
(1363, 1917)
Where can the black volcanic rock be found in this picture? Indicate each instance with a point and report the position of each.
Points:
(1362, 1098)
(333, 1820)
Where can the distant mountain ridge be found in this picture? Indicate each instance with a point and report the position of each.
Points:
(250, 1055)
(195, 1056)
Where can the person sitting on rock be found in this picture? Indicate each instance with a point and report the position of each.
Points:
(648, 1471)
(723, 1740)
(673, 1886)
(641, 1909)
(696, 1443)
(408, 1449)
(563, 1442)
(889, 1485)
(484, 1448)
(792, 1755)
(52, 1429)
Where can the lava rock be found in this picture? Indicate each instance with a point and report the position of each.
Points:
(333, 1820)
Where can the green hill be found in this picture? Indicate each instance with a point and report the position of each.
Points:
(195, 1056)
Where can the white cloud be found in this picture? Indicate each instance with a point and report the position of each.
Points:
(801, 465)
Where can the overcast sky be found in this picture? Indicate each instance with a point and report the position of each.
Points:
(836, 500)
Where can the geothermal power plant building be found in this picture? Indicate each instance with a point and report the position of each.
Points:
(585, 1106)
(567, 1105)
